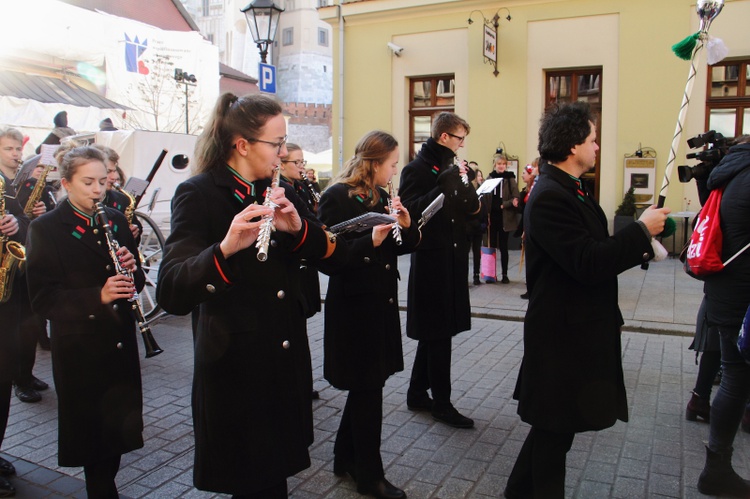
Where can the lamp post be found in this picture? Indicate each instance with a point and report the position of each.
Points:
(181, 76)
(262, 18)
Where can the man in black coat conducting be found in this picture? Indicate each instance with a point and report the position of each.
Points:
(571, 377)
(438, 299)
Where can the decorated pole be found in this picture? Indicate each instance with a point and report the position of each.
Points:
(688, 49)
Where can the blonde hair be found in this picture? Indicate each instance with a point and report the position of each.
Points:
(359, 172)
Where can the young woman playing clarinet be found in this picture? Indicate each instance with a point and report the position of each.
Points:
(74, 284)
(252, 405)
(362, 325)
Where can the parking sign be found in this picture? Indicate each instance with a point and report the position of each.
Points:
(267, 73)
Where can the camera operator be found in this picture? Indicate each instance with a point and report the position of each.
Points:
(727, 295)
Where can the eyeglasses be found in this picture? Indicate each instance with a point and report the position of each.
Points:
(297, 162)
(460, 139)
(279, 145)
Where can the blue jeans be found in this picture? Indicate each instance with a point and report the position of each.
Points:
(729, 404)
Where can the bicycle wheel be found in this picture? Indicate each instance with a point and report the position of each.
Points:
(152, 250)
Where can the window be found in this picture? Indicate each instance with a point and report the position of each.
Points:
(571, 85)
(289, 5)
(322, 3)
(428, 96)
(323, 37)
(728, 98)
(204, 8)
(287, 36)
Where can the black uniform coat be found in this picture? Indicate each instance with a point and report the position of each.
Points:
(571, 375)
(438, 297)
(94, 347)
(362, 325)
(9, 311)
(252, 386)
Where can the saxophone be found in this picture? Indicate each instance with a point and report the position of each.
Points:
(11, 254)
(264, 236)
(36, 194)
(131, 207)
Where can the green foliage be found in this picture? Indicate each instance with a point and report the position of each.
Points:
(627, 207)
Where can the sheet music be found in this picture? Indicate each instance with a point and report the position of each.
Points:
(361, 223)
(433, 208)
(489, 185)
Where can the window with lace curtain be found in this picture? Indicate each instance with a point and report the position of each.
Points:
(428, 96)
(728, 97)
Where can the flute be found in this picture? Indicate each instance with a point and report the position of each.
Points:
(264, 236)
(393, 212)
(464, 176)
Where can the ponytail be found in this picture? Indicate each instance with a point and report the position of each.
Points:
(232, 117)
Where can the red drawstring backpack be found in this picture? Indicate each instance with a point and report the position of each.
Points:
(703, 254)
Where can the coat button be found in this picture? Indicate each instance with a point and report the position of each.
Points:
(645, 256)
(285, 345)
(453, 220)
(120, 345)
(455, 245)
(95, 231)
(367, 259)
(210, 288)
(281, 294)
(92, 317)
(390, 301)
(115, 307)
(387, 266)
(273, 243)
(109, 267)
(99, 243)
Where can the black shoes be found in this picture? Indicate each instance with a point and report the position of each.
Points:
(476, 280)
(315, 395)
(525, 296)
(423, 403)
(698, 408)
(37, 384)
(6, 468)
(6, 489)
(505, 279)
(28, 394)
(341, 469)
(382, 489)
(452, 417)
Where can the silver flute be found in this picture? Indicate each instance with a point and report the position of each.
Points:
(464, 176)
(394, 212)
(267, 227)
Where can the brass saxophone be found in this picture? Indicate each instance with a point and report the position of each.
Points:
(36, 194)
(264, 236)
(149, 343)
(394, 213)
(130, 210)
(12, 254)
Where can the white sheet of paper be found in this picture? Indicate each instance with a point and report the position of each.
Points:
(489, 185)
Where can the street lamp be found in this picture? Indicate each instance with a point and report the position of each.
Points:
(262, 18)
(181, 76)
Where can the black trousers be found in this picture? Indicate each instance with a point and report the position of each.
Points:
(539, 471)
(278, 491)
(358, 438)
(432, 371)
(475, 246)
(100, 478)
(28, 336)
(499, 240)
(9, 317)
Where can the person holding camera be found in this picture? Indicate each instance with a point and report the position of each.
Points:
(727, 296)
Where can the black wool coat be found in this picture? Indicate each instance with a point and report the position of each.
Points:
(9, 311)
(362, 325)
(438, 297)
(95, 362)
(252, 386)
(571, 377)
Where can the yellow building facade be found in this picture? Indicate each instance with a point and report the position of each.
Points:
(618, 54)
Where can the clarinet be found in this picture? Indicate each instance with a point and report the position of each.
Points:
(152, 349)
(267, 227)
(315, 194)
(394, 212)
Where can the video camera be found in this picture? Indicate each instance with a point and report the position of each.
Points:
(716, 148)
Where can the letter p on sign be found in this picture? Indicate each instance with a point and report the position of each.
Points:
(267, 78)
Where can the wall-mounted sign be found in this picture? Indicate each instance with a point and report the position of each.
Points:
(640, 174)
(490, 43)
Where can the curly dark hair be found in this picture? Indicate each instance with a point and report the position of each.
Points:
(562, 128)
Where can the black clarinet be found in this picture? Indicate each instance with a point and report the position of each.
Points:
(152, 349)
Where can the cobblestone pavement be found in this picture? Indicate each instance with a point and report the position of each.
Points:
(657, 454)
